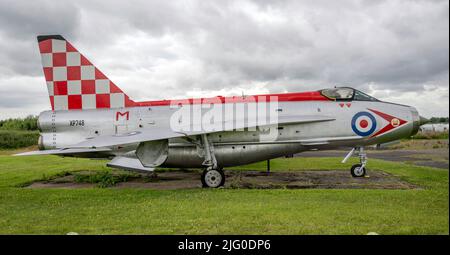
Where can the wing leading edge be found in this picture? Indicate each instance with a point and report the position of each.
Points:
(65, 151)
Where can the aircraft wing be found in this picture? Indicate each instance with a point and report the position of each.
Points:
(101, 143)
(159, 133)
(132, 137)
(65, 151)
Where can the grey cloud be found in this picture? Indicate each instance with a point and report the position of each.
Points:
(21, 22)
(214, 45)
(385, 43)
(22, 98)
(20, 19)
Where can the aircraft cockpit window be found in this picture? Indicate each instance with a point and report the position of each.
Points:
(360, 96)
(339, 93)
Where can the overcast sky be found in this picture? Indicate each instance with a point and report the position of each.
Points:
(394, 50)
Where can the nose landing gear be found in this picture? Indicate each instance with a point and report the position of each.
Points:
(358, 170)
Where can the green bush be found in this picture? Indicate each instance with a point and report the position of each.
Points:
(13, 139)
(29, 123)
(103, 179)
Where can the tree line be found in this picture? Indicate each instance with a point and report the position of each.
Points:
(439, 120)
(27, 124)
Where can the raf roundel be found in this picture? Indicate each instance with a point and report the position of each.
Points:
(364, 123)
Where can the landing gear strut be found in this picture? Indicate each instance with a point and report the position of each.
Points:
(213, 176)
(358, 170)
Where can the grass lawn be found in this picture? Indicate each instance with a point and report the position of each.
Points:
(221, 211)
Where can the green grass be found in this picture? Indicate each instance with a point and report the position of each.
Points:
(220, 211)
(430, 135)
(420, 144)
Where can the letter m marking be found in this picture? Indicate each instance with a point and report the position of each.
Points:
(122, 115)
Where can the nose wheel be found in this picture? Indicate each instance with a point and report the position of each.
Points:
(358, 170)
(213, 178)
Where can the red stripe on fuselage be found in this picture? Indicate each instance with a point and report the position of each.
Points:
(285, 97)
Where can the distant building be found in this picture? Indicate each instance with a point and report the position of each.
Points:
(437, 127)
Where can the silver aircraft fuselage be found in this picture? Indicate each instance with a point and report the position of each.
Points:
(64, 128)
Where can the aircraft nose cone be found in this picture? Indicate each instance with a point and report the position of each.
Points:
(417, 120)
(423, 120)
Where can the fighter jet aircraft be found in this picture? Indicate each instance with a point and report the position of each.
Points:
(92, 117)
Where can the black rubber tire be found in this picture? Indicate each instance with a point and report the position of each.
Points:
(354, 174)
(204, 181)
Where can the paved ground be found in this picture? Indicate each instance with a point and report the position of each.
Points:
(433, 158)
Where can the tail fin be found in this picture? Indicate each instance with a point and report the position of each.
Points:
(73, 82)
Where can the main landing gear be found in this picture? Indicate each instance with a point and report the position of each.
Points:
(358, 170)
(212, 176)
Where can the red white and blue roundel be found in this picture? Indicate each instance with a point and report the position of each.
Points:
(364, 123)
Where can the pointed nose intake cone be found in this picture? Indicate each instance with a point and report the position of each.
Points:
(423, 120)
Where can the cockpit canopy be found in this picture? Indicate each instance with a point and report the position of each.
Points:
(347, 94)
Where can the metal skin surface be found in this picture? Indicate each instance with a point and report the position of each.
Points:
(231, 147)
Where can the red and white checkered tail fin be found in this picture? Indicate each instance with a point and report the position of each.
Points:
(73, 82)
